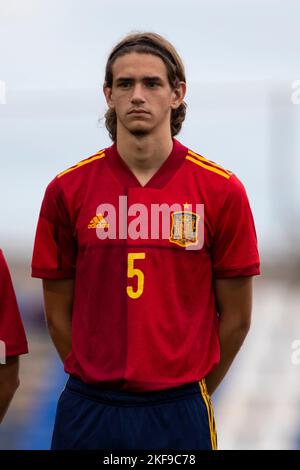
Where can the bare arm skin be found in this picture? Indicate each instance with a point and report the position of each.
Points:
(9, 382)
(234, 304)
(58, 301)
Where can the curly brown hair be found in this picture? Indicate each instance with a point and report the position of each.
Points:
(147, 43)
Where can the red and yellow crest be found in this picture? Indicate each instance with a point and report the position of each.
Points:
(184, 230)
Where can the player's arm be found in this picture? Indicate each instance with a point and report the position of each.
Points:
(234, 305)
(58, 302)
(9, 382)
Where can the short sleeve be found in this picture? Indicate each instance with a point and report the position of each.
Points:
(55, 247)
(235, 249)
(12, 334)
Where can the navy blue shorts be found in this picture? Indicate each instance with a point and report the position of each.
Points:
(89, 417)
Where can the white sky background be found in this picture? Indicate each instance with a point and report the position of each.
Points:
(241, 58)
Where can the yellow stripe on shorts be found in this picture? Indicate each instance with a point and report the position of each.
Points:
(210, 413)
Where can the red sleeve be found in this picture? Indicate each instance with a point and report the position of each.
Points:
(54, 253)
(12, 332)
(235, 251)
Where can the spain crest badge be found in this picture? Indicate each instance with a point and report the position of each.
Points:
(184, 229)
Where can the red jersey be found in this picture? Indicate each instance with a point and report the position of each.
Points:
(143, 259)
(12, 334)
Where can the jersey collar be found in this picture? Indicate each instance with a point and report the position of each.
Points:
(162, 176)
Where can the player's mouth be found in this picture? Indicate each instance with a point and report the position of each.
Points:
(138, 111)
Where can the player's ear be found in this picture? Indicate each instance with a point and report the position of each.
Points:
(108, 95)
(178, 95)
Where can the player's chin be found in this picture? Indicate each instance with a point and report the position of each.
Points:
(140, 132)
(139, 129)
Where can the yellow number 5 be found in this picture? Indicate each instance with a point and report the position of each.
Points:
(131, 272)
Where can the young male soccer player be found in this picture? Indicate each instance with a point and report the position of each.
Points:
(13, 341)
(147, 251)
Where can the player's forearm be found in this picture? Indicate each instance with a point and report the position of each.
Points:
(9, 382)
(58, 298)
(7, 391)
(61, 337)
(231, 339)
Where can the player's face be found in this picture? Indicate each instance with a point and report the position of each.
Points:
(141, 93)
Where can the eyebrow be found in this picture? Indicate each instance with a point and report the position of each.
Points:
(146, 78)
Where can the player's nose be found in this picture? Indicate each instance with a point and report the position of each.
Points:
(137, 94)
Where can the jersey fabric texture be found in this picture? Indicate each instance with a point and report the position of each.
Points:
(11, 327)
(144, 314)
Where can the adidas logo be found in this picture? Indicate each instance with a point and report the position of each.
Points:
(98, 222)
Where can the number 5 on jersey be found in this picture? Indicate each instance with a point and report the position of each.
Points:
(132, 272)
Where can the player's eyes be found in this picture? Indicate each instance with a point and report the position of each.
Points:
(127, 85)
(124, 84)
(152, 84)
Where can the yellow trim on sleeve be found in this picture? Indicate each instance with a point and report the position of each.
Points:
(98, 155)
(200, 157)
(207, 167)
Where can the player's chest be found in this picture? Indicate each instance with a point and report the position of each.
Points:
(169, 217)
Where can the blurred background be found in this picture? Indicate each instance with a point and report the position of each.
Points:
(243, 71)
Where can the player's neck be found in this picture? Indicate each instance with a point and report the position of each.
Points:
(144, 155)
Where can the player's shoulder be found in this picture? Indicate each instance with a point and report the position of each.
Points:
(72, 178)
(78, 168)
(207, 167)
(214, 175)
(220, 181)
